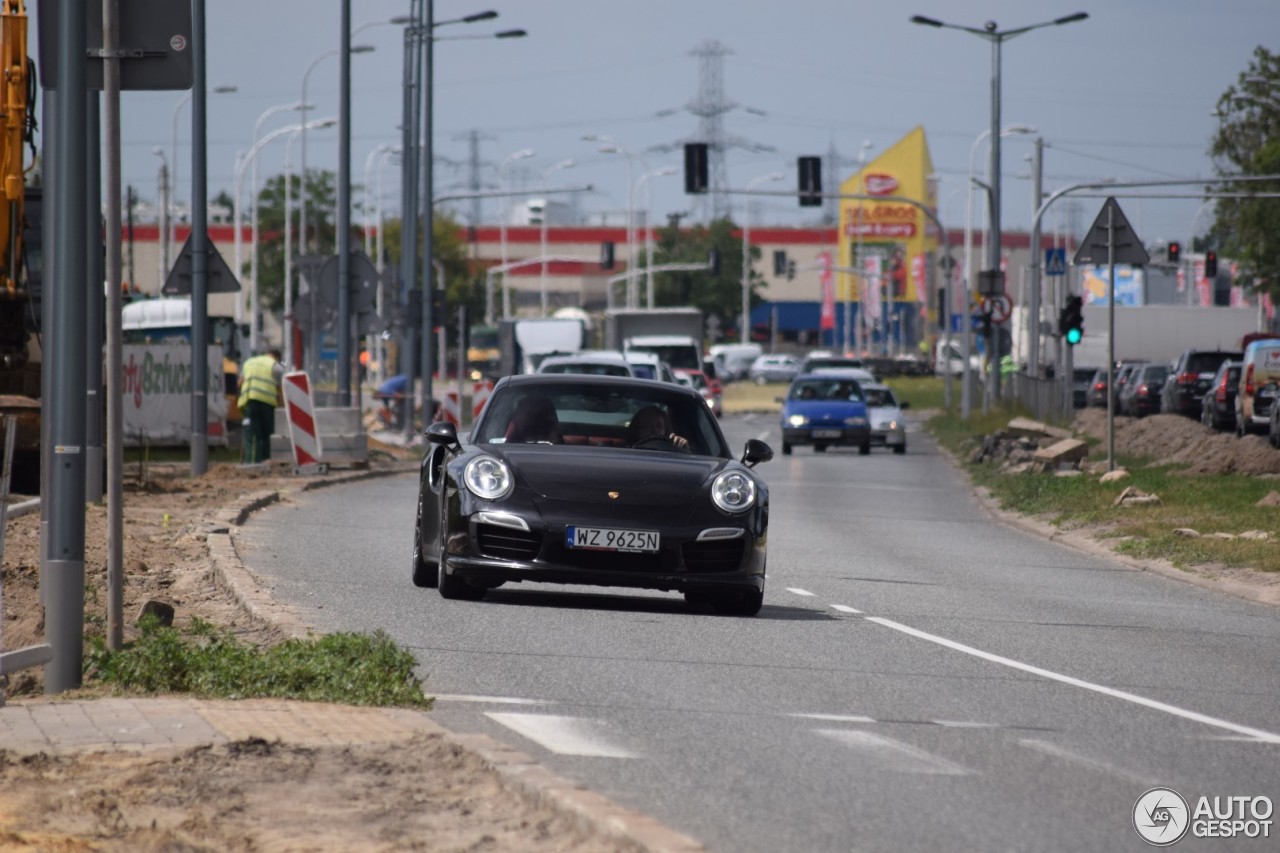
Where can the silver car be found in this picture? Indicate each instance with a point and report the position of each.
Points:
(888, 424)
(774, 368)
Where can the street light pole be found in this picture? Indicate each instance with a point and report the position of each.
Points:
(522, 154)
(173, 163)
(746, 253)
(563, 164)
(857, 261)
(997, 37)
(163, 182)
(648, 229)
(612, 146)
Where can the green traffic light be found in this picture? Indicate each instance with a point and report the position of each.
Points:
(1074, 336)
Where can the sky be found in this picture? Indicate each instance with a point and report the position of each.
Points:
(1126, 94)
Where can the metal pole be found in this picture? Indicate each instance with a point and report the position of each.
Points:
(115, 418)
(199, 248)
(746, 272)
(428, 251)
(94, 304)
(1111, 339)
(164, 222)
(65, 407)
(993, 247)
(1033, 310)
(344, 208)
(409, 202)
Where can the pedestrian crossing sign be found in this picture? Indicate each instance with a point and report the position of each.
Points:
(1055, 261)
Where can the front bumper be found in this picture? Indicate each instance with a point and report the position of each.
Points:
(830, 436)
(888, 437)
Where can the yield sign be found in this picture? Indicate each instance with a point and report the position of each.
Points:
(1111, 228)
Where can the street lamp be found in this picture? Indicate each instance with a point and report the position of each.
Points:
(240, 169)
(302, 185)
(288, 239)
(612, 146)
(377, 153)
(522, 154)
(173, 160)
(746, 253)
(648, 228)
(253, 194)
(857, 262)
(563, 164)
(997, 38)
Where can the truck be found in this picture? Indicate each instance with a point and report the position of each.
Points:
(525, 343)
(673, 334)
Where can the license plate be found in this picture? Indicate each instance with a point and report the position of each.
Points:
(609, 539)
(827, 433)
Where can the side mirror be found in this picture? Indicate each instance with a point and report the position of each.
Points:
(756, 452)
(442, 432)
(904, 405)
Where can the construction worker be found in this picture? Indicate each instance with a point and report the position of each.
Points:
(259, 395)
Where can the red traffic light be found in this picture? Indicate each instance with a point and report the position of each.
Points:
(1210, 264)
(1173, 252)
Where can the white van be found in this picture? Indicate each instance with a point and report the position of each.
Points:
(952, 361)
(1259, 384)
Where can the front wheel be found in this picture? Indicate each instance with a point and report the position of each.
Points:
(786, 449)
(900, 448)
(423, 574)
(455, 588)
(864, 449)
(738, 603)
(819, 448)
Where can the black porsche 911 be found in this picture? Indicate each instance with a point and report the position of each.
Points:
(593, 480)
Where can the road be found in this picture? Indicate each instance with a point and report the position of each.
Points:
(920, 677)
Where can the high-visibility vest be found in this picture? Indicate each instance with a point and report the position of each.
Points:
(258, 381)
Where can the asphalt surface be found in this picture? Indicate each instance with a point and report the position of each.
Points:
(920, 677)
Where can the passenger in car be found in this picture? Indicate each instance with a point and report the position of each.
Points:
(650, 429)
(534, 421)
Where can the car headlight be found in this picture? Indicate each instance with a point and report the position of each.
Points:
(488, 478)
(797, 420)
(734, 491)
(855, 421)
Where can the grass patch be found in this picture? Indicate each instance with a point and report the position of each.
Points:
(923, 392)
(206, 661)
(1207, 504)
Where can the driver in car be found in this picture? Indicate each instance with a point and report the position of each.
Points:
(650, 429)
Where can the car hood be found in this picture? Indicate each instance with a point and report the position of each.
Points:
(642, 477)
(818, 411)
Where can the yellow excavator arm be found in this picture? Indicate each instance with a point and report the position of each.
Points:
(14, 106)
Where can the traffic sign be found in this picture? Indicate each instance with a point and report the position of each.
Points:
(364, 283)
(1094, 248)
(1055, 261)
(1001, 307)
(218, 276)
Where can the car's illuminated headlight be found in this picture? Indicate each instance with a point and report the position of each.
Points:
(734, 491)
(855, 421)
(488, 478)
(797, 420)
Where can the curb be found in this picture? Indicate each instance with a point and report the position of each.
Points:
(517, 772)
(1094, 548)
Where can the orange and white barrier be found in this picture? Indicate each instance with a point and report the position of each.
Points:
(301, 413)
(451, 408)
(480, 392)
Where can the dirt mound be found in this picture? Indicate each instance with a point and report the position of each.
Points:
(1174, 439)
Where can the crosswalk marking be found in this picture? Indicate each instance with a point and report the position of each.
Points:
(563, 735)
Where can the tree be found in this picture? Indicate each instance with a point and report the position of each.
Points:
(716, 295)
(321, 229)
(1248, 143)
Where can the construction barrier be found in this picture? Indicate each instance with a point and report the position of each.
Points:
(451, 408)
(480, 392)
(301, 415)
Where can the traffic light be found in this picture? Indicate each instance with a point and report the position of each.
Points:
(437, 307)
(1173, 253)
(810, 181)
(1210, 264)
(779, 262)
(1071, 320)
(695, 167)
(713, 261)
(606, 255)
(791, 270)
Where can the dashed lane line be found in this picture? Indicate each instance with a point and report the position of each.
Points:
(563, 735)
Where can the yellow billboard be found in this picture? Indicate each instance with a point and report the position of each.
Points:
(890, 238)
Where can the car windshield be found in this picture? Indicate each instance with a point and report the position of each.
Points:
(826, 389)
(880, 397)
(590, 368)
(819, 362)
(595, 415)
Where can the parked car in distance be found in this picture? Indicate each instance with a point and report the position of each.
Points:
(825, 410)
(1218, 405)
(589, 362)
(1122, 374)
(884, 410)
(523, 500)
(648, 365)
(1259, 373)
(1082, 378)
(816, 361)
(774, 368)
(733, 361)
(1141, 393)
(1190, 378)
(1097, 393)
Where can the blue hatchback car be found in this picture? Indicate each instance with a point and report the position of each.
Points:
(825, 411)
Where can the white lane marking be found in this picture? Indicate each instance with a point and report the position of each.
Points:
(563, 735)
(960, 724)
(1085, 761)
(492, 700)
(835, 718)
(844, 608)
(798, 591)
(893, 755)
(1164, 707)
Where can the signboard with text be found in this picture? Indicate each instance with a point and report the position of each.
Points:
(157, 395)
